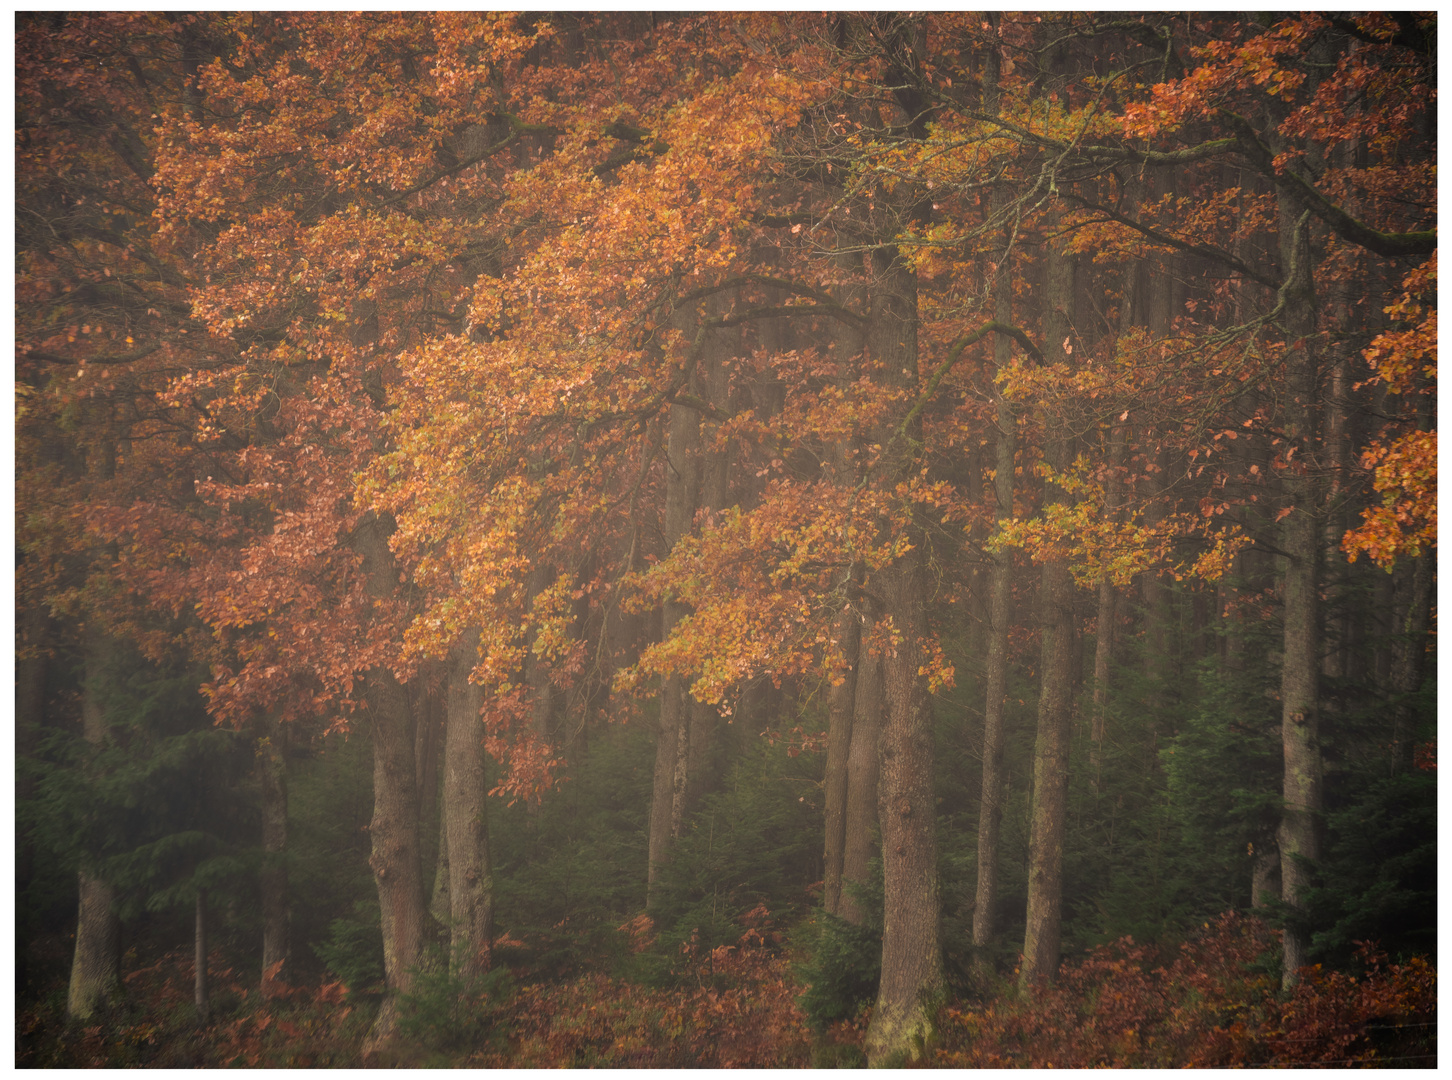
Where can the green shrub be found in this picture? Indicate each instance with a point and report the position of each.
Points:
(444, 1014)
(354, 949)
(842, 971)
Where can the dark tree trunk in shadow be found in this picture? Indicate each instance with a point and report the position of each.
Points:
(200, 997)
(272, 878)
(96, 964)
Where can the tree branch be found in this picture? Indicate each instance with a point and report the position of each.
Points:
(1167, 240)
(504, 143)
(1387, 245)
(73, 361)
(955, 352)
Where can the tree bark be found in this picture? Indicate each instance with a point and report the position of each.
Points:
(1299, 834)
(32, 626)
(846, 776)
(96, 965)
(1105, 621)
(863, 765)
(1051, 780)
(200, 996)
(1051, 744)
(470, 884)
(394, 827)
(912, 963)
(672, 758)
(1000, 578)
(1409, 657)
(272, 878)
(1265, 876)
(846, 632)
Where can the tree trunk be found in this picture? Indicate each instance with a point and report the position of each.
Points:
(272, 774)
(1000, 576)
(713, 383)
(1105, 621)
(470, 885)
(394, 827)
(32, 626)
(1051, 744)
(667, 808)
(1103, 654)
(1409, 657)
(990, 814)
(846, 632)
(395, 855)
(1265, 876)
(912, 972)
(1051, 781)
(96, 965)
(863, 765)
(912, 962)
(849, 805)
(1300, 539)
(200, 996)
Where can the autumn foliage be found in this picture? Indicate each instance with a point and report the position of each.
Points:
(1209, 1003)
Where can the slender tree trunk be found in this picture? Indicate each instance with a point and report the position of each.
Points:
(672, 746)
(1299, 835)
(1103, 654)
(713, 383)
(395, 856)
(1051, 781)
(846, 632)
(912, 962)
(272, 774)
(1051, 744)
(1409, 655)
(672, 758)
(859, 815)
(30, 673)
(470, 885)
(849, 805)
(1162, 304)
(994, 785)
(96, 965)
(1000, 580)
(1105, 622)
(200, 996)
(394, 828)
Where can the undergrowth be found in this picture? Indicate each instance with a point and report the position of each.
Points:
(1213, 1001)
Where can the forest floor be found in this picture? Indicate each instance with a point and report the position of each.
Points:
(1212, 1002)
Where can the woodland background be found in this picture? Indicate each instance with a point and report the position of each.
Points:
(638, 539)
